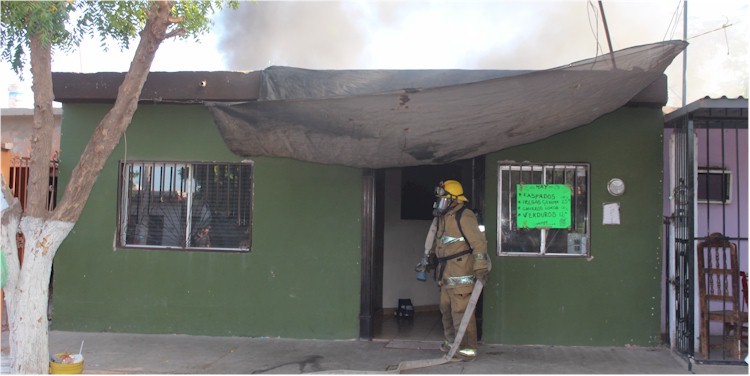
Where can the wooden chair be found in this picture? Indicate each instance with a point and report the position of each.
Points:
(719, 295)
(743, 330)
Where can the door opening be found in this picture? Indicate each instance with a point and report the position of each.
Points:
(397, 208)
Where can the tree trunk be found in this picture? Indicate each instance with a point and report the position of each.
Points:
(28, 291)
(44, 127)
(29, 336)
(11, 218)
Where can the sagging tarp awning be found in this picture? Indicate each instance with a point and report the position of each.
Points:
(378, 119)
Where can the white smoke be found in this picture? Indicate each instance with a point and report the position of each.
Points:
(316, 35)
(487, 35)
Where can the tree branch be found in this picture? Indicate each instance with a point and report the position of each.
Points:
(176, 32)
(107, 134)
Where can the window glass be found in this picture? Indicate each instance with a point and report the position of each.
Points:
(714, 185)
(185, 205)
(520, 240)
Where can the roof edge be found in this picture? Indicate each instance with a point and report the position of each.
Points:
(219, 86)
(17, 111)
(706, 103)
(160, 87)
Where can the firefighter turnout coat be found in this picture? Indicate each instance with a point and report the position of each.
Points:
(461, 250)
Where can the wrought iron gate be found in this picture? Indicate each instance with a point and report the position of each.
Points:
(682, 221)
(708, 185)
(18, 179)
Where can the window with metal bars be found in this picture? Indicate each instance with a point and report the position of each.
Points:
(714, 185)
(185, 205)
(519, 240)
(18, 179)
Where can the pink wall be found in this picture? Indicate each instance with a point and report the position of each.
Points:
(730, 219)
(711, 217)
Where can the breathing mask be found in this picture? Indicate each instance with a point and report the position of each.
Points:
(443, 200)
(447, 192)
(441, 205)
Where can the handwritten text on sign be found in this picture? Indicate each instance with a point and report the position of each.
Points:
(543, 206)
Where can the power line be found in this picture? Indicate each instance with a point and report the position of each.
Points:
(722, 27)
(673, 22)
(590, 8)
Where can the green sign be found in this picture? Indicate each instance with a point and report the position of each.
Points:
(543, 205)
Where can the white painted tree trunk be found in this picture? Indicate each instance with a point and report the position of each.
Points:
(27, 288)
(29, 340)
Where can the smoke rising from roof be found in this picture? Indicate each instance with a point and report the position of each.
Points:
(485, 35)
(316, 35)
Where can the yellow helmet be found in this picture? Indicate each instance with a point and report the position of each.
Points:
(451, 189)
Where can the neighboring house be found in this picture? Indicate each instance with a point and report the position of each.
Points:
(705, 155)
(17, 128)
(15, 140)
(301, 249)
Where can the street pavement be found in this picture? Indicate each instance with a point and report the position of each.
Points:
(118, 353)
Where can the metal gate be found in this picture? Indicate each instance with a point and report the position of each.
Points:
(708, 181)
(19, 179)
(682, 237)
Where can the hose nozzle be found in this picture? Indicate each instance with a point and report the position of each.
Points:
(421, 268)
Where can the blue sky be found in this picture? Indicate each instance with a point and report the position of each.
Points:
(491, 34)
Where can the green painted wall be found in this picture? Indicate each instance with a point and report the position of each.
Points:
(613, 298)
(301, 280)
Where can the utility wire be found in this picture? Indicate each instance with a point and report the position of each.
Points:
(722, 27)
(673, 22)
(591, 8)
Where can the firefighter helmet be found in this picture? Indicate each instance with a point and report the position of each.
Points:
(451, 189)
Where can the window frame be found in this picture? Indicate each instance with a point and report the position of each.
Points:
(726, 175)
(122, 208)
(542, 167)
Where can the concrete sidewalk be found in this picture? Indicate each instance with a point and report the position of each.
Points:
(115, 353)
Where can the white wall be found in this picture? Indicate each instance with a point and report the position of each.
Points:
(18, 126)
(403, 248)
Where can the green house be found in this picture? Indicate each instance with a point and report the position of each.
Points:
(308, 223)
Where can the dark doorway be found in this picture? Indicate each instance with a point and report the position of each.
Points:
(416, 197)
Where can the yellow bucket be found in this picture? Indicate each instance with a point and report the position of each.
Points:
(65, 368)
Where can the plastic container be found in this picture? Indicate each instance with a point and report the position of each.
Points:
(67, 368)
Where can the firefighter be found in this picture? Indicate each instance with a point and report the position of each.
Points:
(461, 250)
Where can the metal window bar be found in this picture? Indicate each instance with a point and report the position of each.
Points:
(733, 282)
(523, 173)
(684, 236)
(184, 193)
(563, 174)
(239, 197)
(679, 263)
(189, 210)
(18, 180)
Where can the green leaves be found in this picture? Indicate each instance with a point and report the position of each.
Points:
(196, 15)
(64, 24)
(20, 19)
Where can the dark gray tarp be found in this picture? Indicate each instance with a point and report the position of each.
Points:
(380, 118)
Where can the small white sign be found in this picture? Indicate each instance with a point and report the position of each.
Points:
(611, 213)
